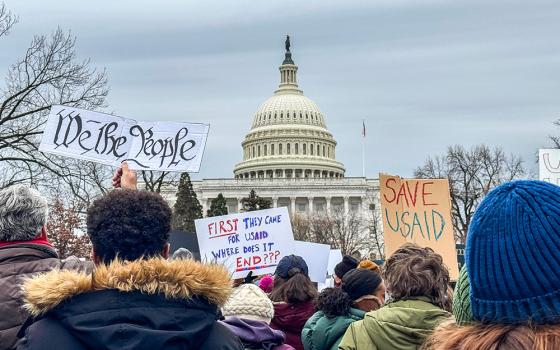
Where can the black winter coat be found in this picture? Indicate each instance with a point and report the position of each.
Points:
(152, 304)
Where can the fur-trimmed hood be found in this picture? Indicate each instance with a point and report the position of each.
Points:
(175, 279)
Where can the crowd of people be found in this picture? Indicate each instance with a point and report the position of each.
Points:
(134, 295)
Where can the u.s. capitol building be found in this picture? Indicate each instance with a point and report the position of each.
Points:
(289, 157)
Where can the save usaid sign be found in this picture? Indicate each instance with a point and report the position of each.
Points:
(251, 241)
(418, 211)
(108, 139)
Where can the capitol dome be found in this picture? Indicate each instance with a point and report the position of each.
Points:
(289, 137)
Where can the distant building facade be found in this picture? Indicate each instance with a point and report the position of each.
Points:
(289, 157)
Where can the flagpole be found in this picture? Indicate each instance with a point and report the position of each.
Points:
(363, 149)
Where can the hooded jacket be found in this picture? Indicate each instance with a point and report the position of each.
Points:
(400, 325)
(18, 262)
(256, 334)
(290, 319)
(323, 333)
(141, 304)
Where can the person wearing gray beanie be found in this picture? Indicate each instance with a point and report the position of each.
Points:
(248, 313)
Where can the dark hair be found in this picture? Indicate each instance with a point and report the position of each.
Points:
(413, 271)
(297, 288)
(128, 224)
(359, 282)
(493, 337)
(334, 302)
(348, 263)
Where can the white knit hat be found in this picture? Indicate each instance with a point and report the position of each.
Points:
(248, 301)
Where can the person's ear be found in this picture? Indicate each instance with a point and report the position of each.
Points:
(165, 251)
(95, 258)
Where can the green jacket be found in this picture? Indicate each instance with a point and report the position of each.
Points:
(323, 333)
(400, 325)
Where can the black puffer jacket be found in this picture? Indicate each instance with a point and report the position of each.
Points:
(144, 304)
(18, 262)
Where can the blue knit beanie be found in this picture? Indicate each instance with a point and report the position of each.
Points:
(289, 262)
(513, 255)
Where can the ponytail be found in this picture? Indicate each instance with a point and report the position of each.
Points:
(297, 288)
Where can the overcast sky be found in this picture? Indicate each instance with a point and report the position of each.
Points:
(423, 74)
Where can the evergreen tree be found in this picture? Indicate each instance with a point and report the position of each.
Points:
(254, 202)
(186, 208)
(218, 206)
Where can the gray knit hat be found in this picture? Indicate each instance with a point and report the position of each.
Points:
(248, 301)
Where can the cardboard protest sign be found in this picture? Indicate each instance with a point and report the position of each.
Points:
(254, 240)
(317, 258)
(110, 140)
(549, 165)
(418, 211)
(335, 256)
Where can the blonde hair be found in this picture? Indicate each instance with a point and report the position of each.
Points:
(494, 337)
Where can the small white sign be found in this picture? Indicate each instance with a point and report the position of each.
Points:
(317, 258)
(549, 165)
(108, 139)
(252, 241)
(335, 256)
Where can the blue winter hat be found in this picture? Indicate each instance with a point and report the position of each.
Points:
(513, 254)
(290, 262)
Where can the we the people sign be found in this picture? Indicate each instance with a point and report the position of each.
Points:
(418, 211)
(252, 241)
(110, 140)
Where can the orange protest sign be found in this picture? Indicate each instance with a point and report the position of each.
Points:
(418, 211)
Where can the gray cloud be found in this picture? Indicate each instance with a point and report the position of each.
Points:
(424, 75)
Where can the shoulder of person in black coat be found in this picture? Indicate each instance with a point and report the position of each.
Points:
(146, 304)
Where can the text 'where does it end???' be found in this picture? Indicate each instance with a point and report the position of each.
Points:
(108, 139)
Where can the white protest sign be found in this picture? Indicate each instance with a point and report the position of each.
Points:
(549, 165)
(335, 256)
(317, 258)
(109, 139)
(254, 240)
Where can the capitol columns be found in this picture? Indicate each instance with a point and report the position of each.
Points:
(275, 202)
(204, 202)
(239, 204)
(310, 205)
(293, 205)
(345, 205)
(328, 199)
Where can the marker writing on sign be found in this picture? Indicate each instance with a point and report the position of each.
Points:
(109, 138)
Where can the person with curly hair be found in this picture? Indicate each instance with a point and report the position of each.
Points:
(294, 297)
(418, 282)
(508, 296)
(361, 291)
(135, 298)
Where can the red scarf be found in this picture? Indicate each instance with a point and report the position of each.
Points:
(41, 239)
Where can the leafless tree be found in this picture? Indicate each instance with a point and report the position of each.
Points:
(376, 241)
(346, 232)
(154, 181)
(556, 139)
(48, 74)
(7, 20)
(472, 174)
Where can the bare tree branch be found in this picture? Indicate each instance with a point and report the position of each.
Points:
(7, 20)
(471, 174)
